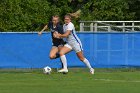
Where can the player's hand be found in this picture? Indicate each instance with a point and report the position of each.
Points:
(56, 34)
(39, 33)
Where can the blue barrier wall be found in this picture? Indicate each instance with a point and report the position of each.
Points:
(28, 50)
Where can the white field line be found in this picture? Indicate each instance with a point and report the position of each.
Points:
(111, 80)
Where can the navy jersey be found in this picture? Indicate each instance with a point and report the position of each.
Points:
(59, 29)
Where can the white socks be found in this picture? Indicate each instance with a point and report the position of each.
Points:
(64, 61)
(87, 63)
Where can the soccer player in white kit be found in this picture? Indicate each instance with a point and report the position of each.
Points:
(73, 43)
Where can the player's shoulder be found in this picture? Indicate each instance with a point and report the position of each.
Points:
(50, 23)
(70, 25)
(59, 23)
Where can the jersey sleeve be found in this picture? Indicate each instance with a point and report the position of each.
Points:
(70, 27)
(49, 25)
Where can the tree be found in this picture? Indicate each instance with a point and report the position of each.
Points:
(107, 10)
(31, 15)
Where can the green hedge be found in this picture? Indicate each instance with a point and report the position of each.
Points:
(32, 15)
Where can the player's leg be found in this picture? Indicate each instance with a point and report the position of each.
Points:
(65, 49)
(53, 52)
(58, 55)
(83, 59)
(79, 51)
(60, 47)
(80, 55)
(62, 53)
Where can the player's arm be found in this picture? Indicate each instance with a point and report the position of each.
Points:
(58, 35)
(64, 35)
(43, 30)
(67, 33)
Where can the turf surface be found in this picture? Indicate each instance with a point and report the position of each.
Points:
(76, 81)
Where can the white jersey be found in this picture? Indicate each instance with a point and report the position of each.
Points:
(72, 39)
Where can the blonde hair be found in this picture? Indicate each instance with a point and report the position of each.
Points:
(67, 15)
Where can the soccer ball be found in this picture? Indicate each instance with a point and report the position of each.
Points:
(47, 70)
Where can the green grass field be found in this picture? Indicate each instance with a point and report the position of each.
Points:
(76, 81)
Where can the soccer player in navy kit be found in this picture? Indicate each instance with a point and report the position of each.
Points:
(57, 44)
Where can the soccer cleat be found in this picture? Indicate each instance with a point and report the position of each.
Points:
(63, 71)
(92, 71)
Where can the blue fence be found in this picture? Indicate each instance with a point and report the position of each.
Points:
(104, 50)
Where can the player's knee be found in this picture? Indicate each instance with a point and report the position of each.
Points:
(61, 53)
(52, 56)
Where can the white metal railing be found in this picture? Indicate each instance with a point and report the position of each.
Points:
(109, 26)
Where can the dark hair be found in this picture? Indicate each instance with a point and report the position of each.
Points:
(56, 16)
(67, 15)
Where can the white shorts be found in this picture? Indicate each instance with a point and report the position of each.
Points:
(76, 47)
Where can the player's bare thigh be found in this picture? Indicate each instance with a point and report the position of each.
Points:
(53, 52)
(64, 50)
(60, 47)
